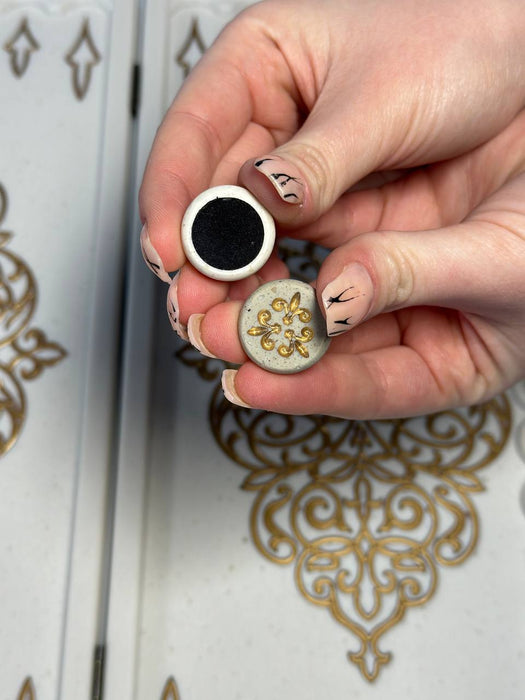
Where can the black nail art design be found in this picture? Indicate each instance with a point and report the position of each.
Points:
(281, 179)
(343, 322)
(153, 266)
(173, 312)
(339, 300)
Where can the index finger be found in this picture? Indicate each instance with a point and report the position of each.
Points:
(212, 111)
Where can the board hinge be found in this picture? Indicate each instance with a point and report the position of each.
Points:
(97, 686)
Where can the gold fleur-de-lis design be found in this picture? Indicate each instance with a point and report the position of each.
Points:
(265, 329)
(292, 309)
(296, 340)
(20, 47)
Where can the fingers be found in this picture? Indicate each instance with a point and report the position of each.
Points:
(207, 119)
(438, 361)
(302, 179)
(183, 159)
(405, 110)
(346, 386)
(192, 293)
(386, 383)
(425, 198)
(470, 267)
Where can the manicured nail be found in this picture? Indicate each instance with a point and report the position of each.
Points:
(284, 177)
(228, 386)
(172, 306)
(151, 257)
(347, 299)
(194, 335)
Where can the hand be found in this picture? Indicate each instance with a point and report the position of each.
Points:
(398, 129)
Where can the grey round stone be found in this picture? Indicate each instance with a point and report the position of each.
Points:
(281, 327)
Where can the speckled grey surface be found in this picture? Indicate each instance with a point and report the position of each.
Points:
(281, 327)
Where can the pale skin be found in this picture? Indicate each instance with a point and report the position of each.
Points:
(405, 122)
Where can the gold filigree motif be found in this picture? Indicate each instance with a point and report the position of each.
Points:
(206, 367)
(27, 692)
(368, 513)
(20, 48)
(24, 352)
(82, 58)
(267, 328)
(170, 691)
(194, 43)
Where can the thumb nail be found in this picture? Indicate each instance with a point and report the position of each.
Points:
(347, 299)
(284, 176)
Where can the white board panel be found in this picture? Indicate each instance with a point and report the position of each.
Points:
(251, 574)
(65, 75)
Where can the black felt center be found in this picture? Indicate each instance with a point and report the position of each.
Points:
(227, 233)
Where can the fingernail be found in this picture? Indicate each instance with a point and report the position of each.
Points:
(228, 386)
(151, 257)
(284, 177)
(172, 306)
(347, 299)
(194, 335)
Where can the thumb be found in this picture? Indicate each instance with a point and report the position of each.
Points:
(460, 267)
(300, 180)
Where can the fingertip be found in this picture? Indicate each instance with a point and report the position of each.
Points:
(163, 199)
(217, 332)
(345, 291)
(279, 186)
(151, 256)
(172, 307)
(229, 388)
(195, 335)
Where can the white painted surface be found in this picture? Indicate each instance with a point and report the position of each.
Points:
(190, 595)
(64, 157)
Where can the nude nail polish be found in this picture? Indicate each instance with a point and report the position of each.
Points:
(194, 335)
(151, 257)
(228, 387)
(347, 299)
(284, 176)
(172, 306)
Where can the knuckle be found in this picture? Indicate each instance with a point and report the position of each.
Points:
(315, 164)
(396, 265)
(400, 271)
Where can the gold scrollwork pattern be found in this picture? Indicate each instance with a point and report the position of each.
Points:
(24, 351)
(194, 43)
(27, 691)
(82, 58)
(20, 48)
(170, 691)
(367, 513)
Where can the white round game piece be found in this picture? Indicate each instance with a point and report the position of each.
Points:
(227, 234)
(281, 327)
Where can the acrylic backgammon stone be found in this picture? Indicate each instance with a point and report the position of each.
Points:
(281, 327)
(227, 234)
